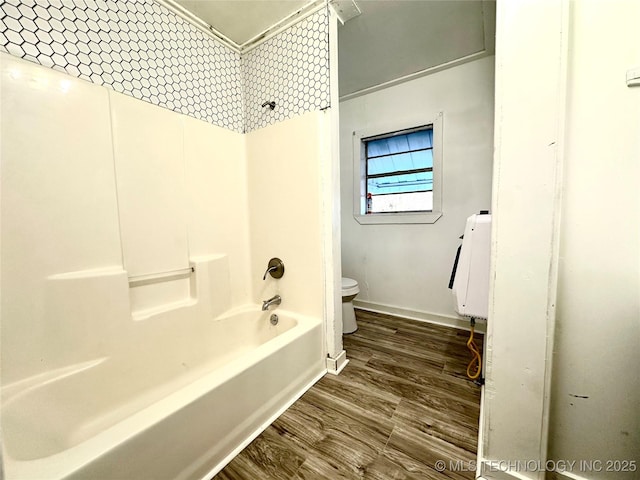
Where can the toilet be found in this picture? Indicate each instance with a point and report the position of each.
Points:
(349, 291)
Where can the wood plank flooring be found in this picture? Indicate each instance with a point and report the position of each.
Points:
(402, 403)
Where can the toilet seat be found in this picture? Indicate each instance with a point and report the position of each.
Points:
(349, 287)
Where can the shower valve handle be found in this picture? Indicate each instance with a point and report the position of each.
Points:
(269, 270)
(275, 268)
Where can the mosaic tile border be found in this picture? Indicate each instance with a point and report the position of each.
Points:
(290, 69)
(141, 49)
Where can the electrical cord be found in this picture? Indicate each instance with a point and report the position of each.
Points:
(476, 361)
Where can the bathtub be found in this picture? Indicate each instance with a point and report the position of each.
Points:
(178, 410)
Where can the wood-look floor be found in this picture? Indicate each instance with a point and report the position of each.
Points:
(402, 403)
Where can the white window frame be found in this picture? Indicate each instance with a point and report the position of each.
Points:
(359, 175)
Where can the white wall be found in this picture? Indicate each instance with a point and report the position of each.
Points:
(598, 316)
(408, 266)
(564, 316)
(527, 166)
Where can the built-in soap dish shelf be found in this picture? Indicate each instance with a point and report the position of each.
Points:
(155, 294)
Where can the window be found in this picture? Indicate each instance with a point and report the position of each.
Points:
(399, 171)
(397, 174)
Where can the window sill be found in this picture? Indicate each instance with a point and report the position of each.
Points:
(400, 218)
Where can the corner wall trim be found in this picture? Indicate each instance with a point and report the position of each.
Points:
(421, 316)
(337, 364)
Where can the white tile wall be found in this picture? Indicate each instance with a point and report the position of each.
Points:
(291, 69)
(136, 47)
(141, 49)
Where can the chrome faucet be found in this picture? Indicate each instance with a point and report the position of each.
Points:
(275, 300)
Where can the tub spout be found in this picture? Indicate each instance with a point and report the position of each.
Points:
(275, 300)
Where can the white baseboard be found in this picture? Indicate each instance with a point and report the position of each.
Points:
(428, 317)
(336, 365)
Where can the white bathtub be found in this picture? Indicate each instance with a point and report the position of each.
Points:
(175, 409)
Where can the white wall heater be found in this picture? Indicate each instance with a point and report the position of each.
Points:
(470, 275)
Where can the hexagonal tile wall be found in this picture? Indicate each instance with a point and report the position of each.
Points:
(141, 49)
(290, 69)
(136, 47)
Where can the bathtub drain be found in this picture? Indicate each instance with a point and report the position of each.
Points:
(274, 319)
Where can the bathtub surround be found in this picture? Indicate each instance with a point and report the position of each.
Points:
(46, 230)
(275, 220)
(207, 157)
(91, 203)
(143, 192)
(131, 232)
(147, 147)
(144, 50)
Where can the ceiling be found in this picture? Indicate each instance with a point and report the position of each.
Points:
(391, 39)
(241, 20)
(396, 38)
